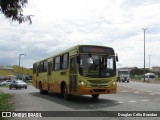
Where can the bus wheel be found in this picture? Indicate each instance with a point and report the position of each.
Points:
(66, 96)
(41, 89)
(95, 96)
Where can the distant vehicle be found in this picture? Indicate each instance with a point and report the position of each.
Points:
(149, 76)
(18, 84)
(7, 82)
(123, 75)
(28, 81)
(3, 83)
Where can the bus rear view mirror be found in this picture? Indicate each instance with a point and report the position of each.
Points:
(116, 57)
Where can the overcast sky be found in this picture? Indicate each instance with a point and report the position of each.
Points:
(60, 24)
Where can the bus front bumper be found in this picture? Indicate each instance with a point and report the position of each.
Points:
(89, 91)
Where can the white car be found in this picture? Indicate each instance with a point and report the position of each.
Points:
(7, 82)
(3, 83)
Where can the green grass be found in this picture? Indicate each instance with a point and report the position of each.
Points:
(5, 86)
(5, 104)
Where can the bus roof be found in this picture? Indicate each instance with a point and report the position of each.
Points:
(67, 50)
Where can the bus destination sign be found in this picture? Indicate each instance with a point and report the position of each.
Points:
(96, 49)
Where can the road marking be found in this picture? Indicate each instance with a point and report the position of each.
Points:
(124, 91)
(149, 91)
(119, 102)
(136, 92)
(132, 101)
(145, 100)
(152, 93)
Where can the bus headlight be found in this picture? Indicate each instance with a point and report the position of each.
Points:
(83, 84)
(114, 83)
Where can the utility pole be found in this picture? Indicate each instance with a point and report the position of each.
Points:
(149, 60)
(144, 29)
(19, 63)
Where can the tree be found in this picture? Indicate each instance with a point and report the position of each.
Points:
(138, 71)
(12, 9)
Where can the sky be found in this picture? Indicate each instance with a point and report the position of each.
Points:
(60, 24)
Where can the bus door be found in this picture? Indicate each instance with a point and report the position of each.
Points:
(49, 76)
(73, 74)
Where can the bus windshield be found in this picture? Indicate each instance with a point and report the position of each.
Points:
(124, 72)
(97, 65)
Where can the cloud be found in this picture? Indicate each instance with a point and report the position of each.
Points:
(61, 24)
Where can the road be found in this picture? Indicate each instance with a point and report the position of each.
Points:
(131, 96)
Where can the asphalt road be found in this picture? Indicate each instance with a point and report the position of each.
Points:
(131, 96)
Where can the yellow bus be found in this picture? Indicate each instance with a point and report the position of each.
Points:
(80, 70)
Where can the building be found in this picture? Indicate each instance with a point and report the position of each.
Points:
(156, 70)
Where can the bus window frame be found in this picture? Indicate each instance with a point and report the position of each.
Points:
(53, 63)
(45, 65)
(65, 62)
(58, 63)
(41, 67)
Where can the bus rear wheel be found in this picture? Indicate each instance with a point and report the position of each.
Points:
(95, 96)
(41, 89)
(66, 96)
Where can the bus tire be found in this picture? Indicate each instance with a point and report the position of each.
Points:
(95, 96)
(41, 89)
(66, 96)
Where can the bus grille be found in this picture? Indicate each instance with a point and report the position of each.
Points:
(98, 81)
(99, 90)
(99, 86)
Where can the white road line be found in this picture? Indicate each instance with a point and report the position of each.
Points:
(152, 94)
(145, 100)
(119, 102)
(136, 92)
(124, 91)
(132, 101)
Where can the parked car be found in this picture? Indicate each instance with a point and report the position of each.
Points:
(3, 83)
(28, 81)
(18, 84)
(7, 82)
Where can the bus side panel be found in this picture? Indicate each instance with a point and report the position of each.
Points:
(43, 78)
(64, 76)
(34, 75)
(56, 81)
(34, 79)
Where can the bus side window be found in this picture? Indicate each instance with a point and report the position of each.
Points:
(64, 61)
(34, 68)
(41, 67)
(45, 66)
(57, 63)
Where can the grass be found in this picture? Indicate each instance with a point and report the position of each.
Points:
(5, 104)
(5, 86)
